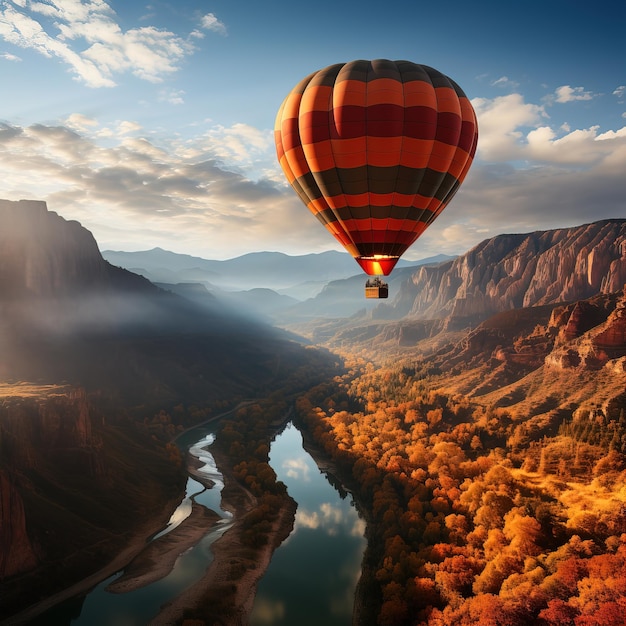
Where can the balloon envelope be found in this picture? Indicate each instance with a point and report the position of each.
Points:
(376, 150)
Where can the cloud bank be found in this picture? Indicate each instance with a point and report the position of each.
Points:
(86, 37)
(221, 193)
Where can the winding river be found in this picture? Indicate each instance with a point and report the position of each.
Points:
(310, 580)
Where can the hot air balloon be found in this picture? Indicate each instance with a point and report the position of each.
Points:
(376, 150)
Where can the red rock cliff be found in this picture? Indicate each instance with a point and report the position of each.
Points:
(514, 271)
(35, 436)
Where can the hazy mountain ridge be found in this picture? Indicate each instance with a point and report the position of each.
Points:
(273, 270)
(43, 254)
(506, 272)
(61, 303)
(295, 276)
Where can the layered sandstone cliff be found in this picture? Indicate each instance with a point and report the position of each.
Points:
(74, 487)
(593, 336)
(515, 271)
(17, 554)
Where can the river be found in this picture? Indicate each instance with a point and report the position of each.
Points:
(310, 580)
(313, 575)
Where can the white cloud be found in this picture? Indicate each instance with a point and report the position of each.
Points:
(566, 93)
(332, 519)
(239, 144)
(172, 96)
(221, 193)
(529, 175)
(512, 130)
(132, 193)
(80, 122)
(297, 468)
(576, 147)
(10, 57)
(307, 520)
(500, 123)
(90, 42)
(504, 81)
(210, 22)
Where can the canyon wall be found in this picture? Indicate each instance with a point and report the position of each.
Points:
(514, 271)
(48, 436)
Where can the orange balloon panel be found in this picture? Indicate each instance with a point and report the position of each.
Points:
(376, 150)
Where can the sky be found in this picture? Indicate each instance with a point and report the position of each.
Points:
(151, 123)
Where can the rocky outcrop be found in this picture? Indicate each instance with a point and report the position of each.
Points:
(16, 551)
(45, 435)
(551, 341)
(515, 271)
(53, 279)
(57, 427)
(612, 337)
(73, 488)
(593, 335)
(43, 254)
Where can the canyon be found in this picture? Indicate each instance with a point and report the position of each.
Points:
(100, 369)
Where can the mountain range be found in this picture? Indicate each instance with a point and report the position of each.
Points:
(506, 272)
(58, 292)
(297, 276)
(62, 303)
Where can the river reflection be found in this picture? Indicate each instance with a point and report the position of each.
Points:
(311, 578)
(313, 574)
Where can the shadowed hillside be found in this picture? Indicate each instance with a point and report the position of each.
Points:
(99, 370)
(68, 315)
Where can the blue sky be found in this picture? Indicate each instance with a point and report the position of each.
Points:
(151, 122)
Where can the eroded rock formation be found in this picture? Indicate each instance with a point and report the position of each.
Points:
(17, 554)
(515, 271)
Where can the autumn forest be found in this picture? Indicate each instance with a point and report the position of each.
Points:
(471, 522)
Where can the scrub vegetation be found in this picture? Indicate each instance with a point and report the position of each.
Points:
(479, 513)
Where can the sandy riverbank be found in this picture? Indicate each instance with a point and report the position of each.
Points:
(158, 558)
(225, 594)
(232, 577)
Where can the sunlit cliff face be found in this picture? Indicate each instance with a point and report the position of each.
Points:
(53, 278)
(43, 254)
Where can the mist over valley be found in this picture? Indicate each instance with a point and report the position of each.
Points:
(476, 417)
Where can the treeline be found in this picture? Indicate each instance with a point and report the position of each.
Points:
(246, 440)
(470, 519)
(596, 428)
